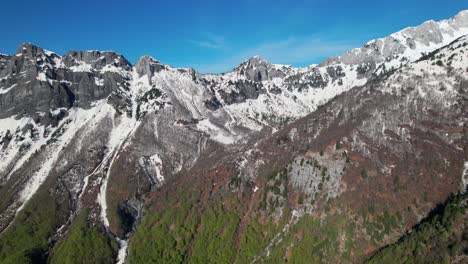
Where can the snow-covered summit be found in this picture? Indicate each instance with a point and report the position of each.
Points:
(385, 54)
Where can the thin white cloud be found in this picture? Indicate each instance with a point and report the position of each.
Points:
(209, 40)
(294, 51)
(298, 51)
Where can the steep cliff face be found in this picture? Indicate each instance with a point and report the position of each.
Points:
(89, 133)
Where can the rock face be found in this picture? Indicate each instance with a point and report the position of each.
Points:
(315, 173)
(90, 130)
(37, 81)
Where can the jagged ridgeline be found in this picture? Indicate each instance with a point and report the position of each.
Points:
(102, 161)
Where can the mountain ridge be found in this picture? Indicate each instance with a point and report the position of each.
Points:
(456, 22)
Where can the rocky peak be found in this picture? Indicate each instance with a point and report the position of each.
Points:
(25, 60)
(460, 20)
(95, 60)
(3, 60)
(257, 61)
(29, 50)
(258, 69)
(254, 62)
(147, 65)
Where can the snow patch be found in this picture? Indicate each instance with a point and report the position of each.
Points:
(464, 178)
(6, 90)
(99, 81)
(215, 132)
(81, 66)
(157, 162)
(114, 69)
(41, 77)
(77, 119)
(119, 134)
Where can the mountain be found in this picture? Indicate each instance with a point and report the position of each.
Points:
(259, 164)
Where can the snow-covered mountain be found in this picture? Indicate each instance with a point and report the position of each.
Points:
(82, 125)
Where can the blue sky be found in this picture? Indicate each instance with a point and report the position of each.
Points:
(209, 35)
